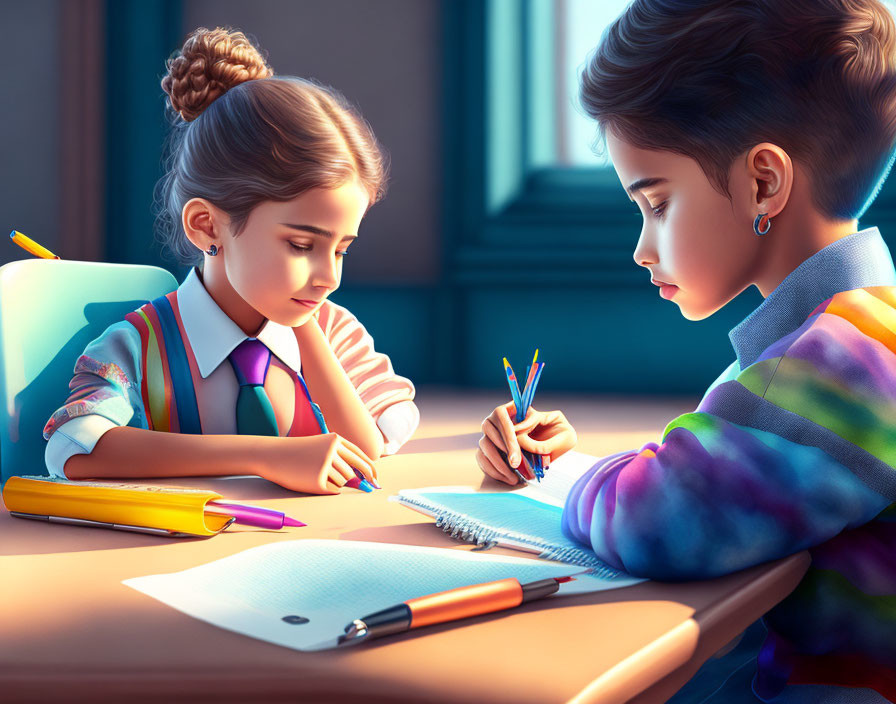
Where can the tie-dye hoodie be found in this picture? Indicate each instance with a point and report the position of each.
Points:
(793, 447)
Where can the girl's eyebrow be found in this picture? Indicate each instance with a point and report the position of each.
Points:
(317, 231)
(645, 183)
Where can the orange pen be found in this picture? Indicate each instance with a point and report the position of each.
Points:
(450, 605)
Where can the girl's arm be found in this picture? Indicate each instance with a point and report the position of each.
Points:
(331, 388)
(101, 431)
(318, 464)
(387, 396)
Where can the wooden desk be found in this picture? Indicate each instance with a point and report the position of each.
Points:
(70, 631)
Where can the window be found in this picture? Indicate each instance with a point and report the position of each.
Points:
(563, 35)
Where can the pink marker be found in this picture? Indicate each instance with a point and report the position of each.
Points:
(253, 515)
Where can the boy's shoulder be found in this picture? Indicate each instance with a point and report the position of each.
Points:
(863, 312)
(847, 342)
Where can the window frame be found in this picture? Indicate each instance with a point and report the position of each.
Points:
(510, 219)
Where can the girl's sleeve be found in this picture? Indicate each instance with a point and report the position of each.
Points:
(104, 394)
(785, 455)
(387, 396)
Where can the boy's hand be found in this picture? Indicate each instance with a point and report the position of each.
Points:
(542, 433)
(316, 464)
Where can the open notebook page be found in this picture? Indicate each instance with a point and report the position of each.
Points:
(527, 518)
(558, 480)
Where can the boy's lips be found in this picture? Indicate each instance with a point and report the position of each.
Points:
(667, 290)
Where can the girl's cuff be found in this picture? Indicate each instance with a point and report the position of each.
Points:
(397, 424)
(76, 437)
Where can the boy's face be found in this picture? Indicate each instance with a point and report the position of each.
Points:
(288, 259)
(693, 237)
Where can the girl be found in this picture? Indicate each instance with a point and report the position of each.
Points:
(269, 180)
(753, 134)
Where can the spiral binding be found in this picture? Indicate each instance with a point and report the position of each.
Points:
(462, 527)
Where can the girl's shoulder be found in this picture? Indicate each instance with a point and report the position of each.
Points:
(337, 321)
(120, 340)
(333, 311)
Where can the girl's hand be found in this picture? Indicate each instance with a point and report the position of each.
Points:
(548, 434)
(316, 464)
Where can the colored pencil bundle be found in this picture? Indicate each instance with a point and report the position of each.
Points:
(522, 401)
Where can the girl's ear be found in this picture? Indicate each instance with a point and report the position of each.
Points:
(771, 172)
(203, 223)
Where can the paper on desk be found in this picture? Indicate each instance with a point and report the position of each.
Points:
(333, 582)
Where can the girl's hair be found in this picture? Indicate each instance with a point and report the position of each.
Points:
(241, 136)
(710, 79)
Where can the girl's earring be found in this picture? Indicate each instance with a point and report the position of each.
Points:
(212, 250)
(768, 224)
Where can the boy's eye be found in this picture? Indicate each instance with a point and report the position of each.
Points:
(300, 247)
(342, 252)
(659, 210)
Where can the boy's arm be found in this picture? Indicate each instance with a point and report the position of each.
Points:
(782, 458)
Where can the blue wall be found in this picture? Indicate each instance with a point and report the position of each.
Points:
(459, 266)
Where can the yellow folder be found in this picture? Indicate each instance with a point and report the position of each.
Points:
(177, 510)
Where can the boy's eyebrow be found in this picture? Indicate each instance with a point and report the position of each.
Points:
(645, 183)
(317, 231)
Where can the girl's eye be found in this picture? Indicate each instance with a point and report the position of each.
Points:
(342, 252)
(300, 247)
(659, 210)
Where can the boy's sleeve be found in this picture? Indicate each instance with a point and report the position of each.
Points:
(387, 396)
(104, 394)
(787, 454)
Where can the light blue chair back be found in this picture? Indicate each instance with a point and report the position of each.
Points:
(49, 311)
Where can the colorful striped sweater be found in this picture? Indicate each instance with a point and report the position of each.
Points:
(793, 447)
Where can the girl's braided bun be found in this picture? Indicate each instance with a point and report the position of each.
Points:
(210, 63)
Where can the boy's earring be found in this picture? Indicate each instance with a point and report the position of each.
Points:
(768, 224)
(212, 250)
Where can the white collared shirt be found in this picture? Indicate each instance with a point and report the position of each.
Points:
(212, 335)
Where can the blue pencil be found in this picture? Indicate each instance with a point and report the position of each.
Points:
(514, 388)
(522, 401)
(537, 465)
(534, 460)
(515, 395)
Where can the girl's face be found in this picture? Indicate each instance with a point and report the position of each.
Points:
(693, 239)
(288, 259)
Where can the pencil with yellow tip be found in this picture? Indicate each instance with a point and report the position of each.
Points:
(30, 246)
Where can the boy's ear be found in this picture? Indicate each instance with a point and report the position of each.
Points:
(203, 223)
(771, 171)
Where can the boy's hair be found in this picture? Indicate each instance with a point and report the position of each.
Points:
(241, 136)
(710, 79)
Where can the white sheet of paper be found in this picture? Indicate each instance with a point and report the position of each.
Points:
(557, 481)
(333, 582)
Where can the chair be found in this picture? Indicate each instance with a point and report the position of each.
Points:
(49, 311)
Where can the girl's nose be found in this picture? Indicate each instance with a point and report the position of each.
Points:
(326, 272)
(645, 252)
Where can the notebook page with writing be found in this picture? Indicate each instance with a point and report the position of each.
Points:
(528, 518)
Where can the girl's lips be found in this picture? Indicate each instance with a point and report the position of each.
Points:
(306, 302)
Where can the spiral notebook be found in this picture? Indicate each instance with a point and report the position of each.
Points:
(525, 519)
